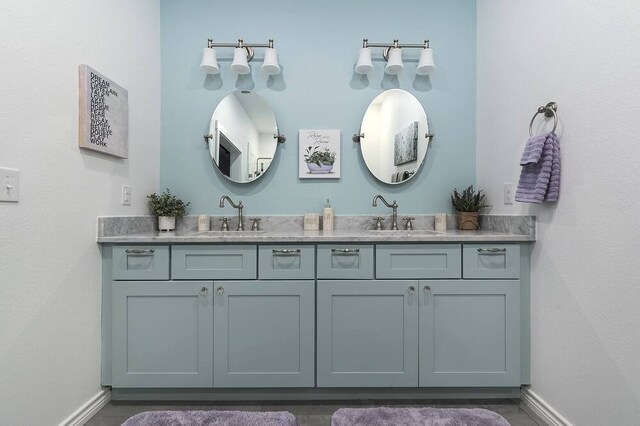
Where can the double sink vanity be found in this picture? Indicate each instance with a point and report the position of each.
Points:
(351, 312)
(279, 312)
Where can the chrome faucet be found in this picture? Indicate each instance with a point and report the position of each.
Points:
(394, 206)
(238, 206)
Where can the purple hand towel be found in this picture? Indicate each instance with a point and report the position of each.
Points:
(540, 176)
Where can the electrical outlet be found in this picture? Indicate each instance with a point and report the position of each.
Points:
(9, 185)
(508, 193)
(126, 195)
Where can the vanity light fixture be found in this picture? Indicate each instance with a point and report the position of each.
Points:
(242, 55)
(393, 54)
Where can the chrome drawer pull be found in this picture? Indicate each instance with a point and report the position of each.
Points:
(220, 290)
(345, 251)
(427, 289)
(412, 290)
(138, 251)
(286, 251)
(204, 291)
(492, 250)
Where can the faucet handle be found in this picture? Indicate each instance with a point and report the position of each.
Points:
(225, 223)
(256, 223)
(378, 225)
(408, 225)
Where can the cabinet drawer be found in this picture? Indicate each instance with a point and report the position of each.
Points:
(220, 262)
(286, 262)
(491, 260)
(141, 262)
(340, 261)
(418, 261)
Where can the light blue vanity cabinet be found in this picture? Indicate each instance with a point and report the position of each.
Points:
(469, 333)
(367, 333)
(319, 315)
(264, 334)
(162, 334)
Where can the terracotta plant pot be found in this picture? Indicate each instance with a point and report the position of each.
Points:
(468, 221)
(166, 223)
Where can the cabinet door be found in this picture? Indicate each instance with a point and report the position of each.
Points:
(469, 333)
(162, 334)
(367, 333)
(264, 334)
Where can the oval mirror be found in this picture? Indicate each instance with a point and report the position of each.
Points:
(243, 137)
(396, 136)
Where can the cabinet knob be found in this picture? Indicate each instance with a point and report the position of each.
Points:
(427, 289)
(204, 291)
(412, 290)
(220, 290)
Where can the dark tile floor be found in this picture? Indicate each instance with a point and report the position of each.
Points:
(314, 413)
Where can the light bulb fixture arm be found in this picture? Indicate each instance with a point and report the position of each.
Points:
(394, 45)
(242, 45)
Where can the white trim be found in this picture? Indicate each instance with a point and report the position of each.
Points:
(542, 408)
(88, 409)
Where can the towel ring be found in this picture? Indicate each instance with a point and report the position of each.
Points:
(549, 111)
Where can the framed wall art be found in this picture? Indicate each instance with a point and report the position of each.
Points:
(319, 154)
(103, 115)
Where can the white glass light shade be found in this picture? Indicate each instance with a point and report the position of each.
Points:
(364, 64)
(240, 65)
(426, 65)
(395, 65)
(209, 62)
(270, 64)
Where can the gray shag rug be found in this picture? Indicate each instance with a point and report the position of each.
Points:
(211, 418)
(385, 416)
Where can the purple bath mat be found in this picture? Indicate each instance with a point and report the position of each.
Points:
(385, 416)
(211, 418)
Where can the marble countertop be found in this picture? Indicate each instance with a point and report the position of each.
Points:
(350, 236)
(289, 229)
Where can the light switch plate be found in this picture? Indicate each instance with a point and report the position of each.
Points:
(9, 185)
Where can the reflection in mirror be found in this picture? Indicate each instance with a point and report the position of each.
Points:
(395, 139)
(243, 128)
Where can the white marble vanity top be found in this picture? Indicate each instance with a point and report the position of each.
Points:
(497, 228)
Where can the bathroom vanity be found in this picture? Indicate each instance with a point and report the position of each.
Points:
(227, 315)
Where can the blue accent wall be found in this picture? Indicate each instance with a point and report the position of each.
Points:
(318, 44)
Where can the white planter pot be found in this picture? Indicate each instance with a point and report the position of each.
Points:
(166, 223)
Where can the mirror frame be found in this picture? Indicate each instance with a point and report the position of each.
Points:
(425, 136)
(216, 134)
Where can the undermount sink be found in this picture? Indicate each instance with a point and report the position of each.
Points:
(402, 231)
(218, 233)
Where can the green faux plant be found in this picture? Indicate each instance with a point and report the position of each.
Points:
(469, 200)
(166, 204)
(319, 157)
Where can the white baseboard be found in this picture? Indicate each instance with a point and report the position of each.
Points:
(88, 410)
(543, 409)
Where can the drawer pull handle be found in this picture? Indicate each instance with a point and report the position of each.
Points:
(412, 290)
(492, 250)
(138, 251)
(427, 289)
(286, 251)
(345, 250)
(204, 291)
(220, 290)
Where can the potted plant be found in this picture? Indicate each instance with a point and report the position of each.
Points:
(319, 161)
(468, 205)
(166, 207)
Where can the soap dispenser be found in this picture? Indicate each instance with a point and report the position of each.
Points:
(327, 217)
